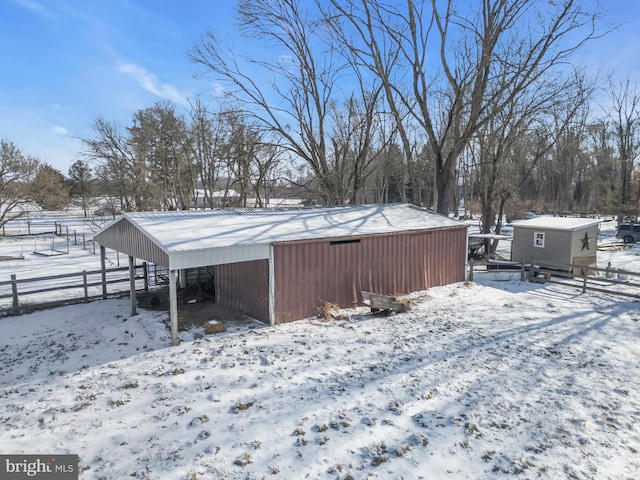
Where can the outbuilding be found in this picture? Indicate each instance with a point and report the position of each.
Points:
(280, 265)
(556, 242)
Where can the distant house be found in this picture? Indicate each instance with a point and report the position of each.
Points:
(230, 198)
(215, 199)
(279, 265)
(556, 242)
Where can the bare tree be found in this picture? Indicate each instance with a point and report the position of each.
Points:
(462, 67)
(295, 107)
(120, 172)
(17, 171)
(624, 115)
(354, 146)
(510, 147)
(80, 183)
(604, 178)
(205, 140)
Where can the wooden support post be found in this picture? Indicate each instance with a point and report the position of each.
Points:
(532, 268)
(84, 242)
(271, 287)
(173, 307)
(28, 227)
(471, 265)
(75, 238)
(14, 290)
(584, 280)
(145, 273)
(132, 286)
(103, 255)
(522, 271)
(84, 282)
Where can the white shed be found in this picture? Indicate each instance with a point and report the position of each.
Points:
(556, 242)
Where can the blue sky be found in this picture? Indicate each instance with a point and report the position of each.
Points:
(66, 62)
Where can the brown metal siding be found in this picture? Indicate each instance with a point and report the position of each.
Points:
(244, 287)
(124, 237)
(309, 273)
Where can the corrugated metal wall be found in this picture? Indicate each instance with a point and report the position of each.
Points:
(244, 287)
(126, 238)
(310, 273)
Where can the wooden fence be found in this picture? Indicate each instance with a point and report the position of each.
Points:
(26, 294)
(614, 281)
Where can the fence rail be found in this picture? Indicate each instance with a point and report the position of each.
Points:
(85, 284)
(614, 281)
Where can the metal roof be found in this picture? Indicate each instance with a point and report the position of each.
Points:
(557, 223)
(192, 238)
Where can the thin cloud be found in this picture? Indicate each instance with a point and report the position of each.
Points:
(149, 82)
(58, 130)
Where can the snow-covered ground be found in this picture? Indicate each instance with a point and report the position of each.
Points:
(476, 381)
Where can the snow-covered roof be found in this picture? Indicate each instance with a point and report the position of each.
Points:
(245, 234)
(557, 223)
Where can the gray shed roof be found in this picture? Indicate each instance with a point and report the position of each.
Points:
(186, 239)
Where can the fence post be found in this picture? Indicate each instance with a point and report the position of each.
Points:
(28, 227)
(67, 245)
(471, 262)
(584, 281)
(86, 290)
(84, 242)
(75, 238)
(132, 285)
(14, 290)
(531, 270)
(103, 254)
(145, 273)
(522, 270)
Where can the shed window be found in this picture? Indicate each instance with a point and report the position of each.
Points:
(538, 239)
